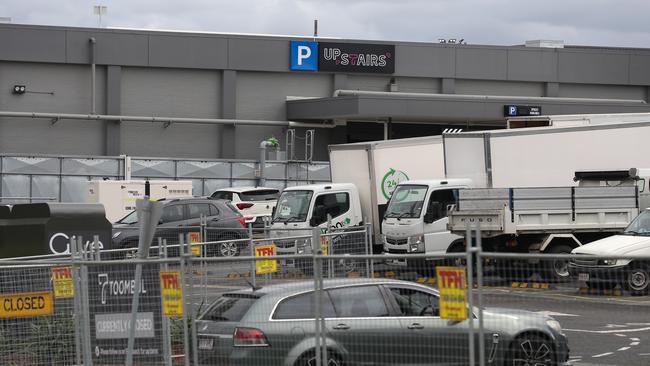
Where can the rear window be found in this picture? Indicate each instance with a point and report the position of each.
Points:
(302, 307)
(232, 208)
(260, 195)
(229, 308)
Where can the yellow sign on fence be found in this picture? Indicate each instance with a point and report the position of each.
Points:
(62, 282)
(171, 293)
(26, 304)
(267, 265)
(195, 239)
(452, 285)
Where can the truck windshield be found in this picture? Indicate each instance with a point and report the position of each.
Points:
(406, 201)
(293, 206)
(640, 225)
(131, 218)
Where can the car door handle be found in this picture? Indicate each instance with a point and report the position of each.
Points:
(341, 327)
(416, 326)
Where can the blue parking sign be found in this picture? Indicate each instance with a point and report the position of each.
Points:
(512, 110)
(304, 55)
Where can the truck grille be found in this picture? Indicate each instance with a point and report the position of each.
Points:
(285, 243)
(396, 251)
(584, 262)
(396, 241)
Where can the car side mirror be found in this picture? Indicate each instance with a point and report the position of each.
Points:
(313, 222)
(273, 211)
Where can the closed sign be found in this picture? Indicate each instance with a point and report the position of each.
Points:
(26, 304)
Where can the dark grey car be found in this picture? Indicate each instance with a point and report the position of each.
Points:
(368, 322)
(184, 215)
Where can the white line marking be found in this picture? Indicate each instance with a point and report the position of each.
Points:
(603, 354)
(644, 354)
(574, 360)
(552, 313)
(623, 349)
(615, 326)
(575, 356)
(634, 344)
(608, 331)
(621, 335)
(635, 339)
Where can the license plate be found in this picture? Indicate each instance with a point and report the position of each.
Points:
(583, 276)
(396, 262)
(206, 343)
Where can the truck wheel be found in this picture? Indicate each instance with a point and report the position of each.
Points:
(556, 270)
(638, 280)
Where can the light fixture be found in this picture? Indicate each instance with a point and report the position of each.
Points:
(19, 89)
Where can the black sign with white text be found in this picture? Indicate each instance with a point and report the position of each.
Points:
(521, 110)
(356, 57)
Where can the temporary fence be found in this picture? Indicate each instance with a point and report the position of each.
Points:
(303, 297)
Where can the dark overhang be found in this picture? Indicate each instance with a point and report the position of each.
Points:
(444, 108)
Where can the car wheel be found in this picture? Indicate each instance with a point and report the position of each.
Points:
(309, 359)
(638, 280)
(531, 349)
(228, 249)
(556, 270)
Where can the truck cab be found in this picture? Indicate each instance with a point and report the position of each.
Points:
(416, 217)
(306, 207)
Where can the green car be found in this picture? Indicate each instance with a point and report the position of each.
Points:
(368, 322)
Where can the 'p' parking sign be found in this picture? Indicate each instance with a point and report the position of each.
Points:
(304, 55)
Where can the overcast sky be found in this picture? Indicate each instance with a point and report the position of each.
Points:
(616, 23)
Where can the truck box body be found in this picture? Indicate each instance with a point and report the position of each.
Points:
(568, 120)
(119, 196)
(544, 157)
(377, 167)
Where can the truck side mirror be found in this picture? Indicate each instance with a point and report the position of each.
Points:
(318, 216)
(432, 212)
(429, 217)
(273, 211)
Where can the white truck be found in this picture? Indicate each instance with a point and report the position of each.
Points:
(549, 219)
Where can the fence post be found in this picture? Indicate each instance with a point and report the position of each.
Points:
(194, 337)
(167, 349)
(251, 245)
(76, 278)
(366, 241)
(470, 300)
(318, 305)
(182, 249)
(479, 291)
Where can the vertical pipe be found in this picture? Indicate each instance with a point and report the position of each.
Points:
(93, 42)
(470, 300)
(479, 291)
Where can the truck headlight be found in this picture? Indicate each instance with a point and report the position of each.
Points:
(607, 262)
(416, 243)
(555, 325)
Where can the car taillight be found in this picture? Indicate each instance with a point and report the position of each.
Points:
(249, 337)
(243, 205)
(242, 221)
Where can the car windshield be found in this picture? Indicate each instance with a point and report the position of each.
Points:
(131, 218)
(640, 225)
(407, 201)
(293, 206)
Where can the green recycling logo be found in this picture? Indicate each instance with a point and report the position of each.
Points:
(390, 180)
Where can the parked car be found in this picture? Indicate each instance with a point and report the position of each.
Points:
(368, 321)
(254, 203)
(632, 274)
(183, 215)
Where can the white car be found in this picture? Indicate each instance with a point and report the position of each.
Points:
(254, 203)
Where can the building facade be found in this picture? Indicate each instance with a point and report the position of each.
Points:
(206, 91)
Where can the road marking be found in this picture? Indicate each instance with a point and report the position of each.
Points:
(644, 354)
(615, 326)
(552, 313)
(603, 354)
(608, 331)
(635, 339)
(621, 335)
(575, 360)
(634, 344)
(623, 349)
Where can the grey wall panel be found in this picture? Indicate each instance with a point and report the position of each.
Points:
(69, 83)
(320, 172)
(275, 170)
(188, 51)
(279, 184)
(532, 65)
(15, 186)
(73, 189)
(602, 91)
(46, 187)
(243, 183)
(112, 48)
(593, 67)
(481, 63)
(419, 85)
(369, 82)
(425, 60)
(257, 54)
(152, 168)
(211, 185)
(486, 87)
(30, 165)
(170, 92)
(100, 167)
(263, 95)
(243, 170)
(32, 44)
(203, 169)
(66, 137)
(639, 70)
(197, 188)
(177, 140)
